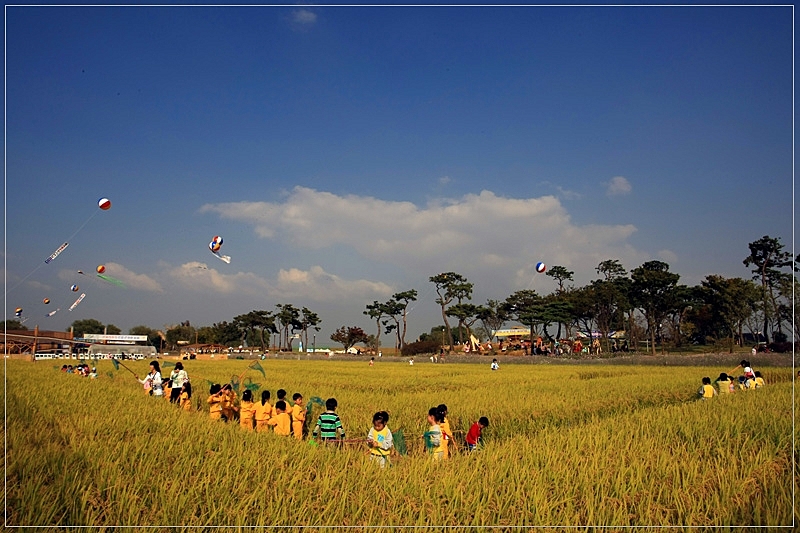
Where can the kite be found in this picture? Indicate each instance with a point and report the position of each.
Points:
(81, 272)
(51, 313)
(100, 269)
(57, 252)
(109, 279)
(540, 268)
(79, 300)
(215, 245)
(18, 311)
(104, 204)
(46, 301)
(74, 288)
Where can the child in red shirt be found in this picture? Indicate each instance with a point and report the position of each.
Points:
(474, 434)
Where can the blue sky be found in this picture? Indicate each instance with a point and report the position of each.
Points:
(345, 154)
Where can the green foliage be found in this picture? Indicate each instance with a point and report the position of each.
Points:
(349, 336)
(183, 332)
(88, 325)
(560, 274)
(422, 347)
(14, 325)
(153, 336)
(654, 293)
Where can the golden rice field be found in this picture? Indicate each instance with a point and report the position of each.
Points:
(567, 445)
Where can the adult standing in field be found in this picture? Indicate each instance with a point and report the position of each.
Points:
(153, 379)
(179, 377)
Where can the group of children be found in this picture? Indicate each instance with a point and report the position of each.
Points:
(439, 435)
(80, 370)
(283, 419)
(725, 384)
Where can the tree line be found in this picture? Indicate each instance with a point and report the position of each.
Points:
(647, 302)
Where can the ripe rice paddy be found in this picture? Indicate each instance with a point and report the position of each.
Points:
(566, 446)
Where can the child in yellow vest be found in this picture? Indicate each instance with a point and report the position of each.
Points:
(263, 412)
(707, 391)
(228, 402)
(298, 415)
(186, 396)
(247, 411)
(379, 439)
(724, 384)
(759, 381)
(167, 388)
(282, 396)
(447, 433)
(215, 402)
(433, 437)
(281, 421)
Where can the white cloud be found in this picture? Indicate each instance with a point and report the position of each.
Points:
(131, 279)
(304, 16)
(618, 186)
(314, 284)
(567, 194)
(328, 287)
(477, 234)
(200, 277)
(668, 256)
(444, 180)
(37, 285)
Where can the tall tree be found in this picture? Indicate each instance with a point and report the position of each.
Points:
(611, 269)
(226, 334)
(583, 308)
(393, 310)
(184, 332)
(554, 310)
(654, 294)
(467, 315)
(88, 325)
(376, 312)
(767, 258)
(609, 306)
(492, 315)
(255, 324)
(309, 320)
(405, 298)
(523, 306)
(153, 336)
(450, 286)
(732, 301)
(349, 336)
(289, 318)
(561, 275)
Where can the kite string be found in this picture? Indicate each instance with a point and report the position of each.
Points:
(420, 299)
(26, 277)
(82, 225)
(32, 272)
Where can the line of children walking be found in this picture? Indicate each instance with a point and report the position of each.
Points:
(290, 421)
